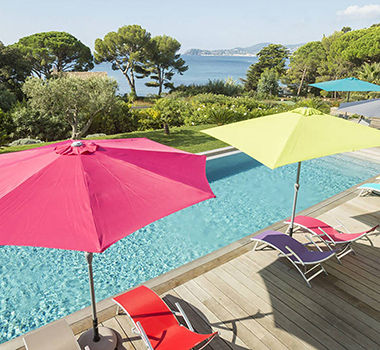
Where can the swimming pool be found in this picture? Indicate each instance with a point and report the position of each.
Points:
(38, 285)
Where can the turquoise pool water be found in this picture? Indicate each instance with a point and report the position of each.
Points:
(39, 285)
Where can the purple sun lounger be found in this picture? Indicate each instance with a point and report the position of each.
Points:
(295, 252)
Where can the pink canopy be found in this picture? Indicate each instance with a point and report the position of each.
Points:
(87, 195)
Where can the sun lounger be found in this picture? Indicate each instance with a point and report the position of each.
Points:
(55, 336)
(156, 324)
(369, 188)
(296, 253)
(332, 237)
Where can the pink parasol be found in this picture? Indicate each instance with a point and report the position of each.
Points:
(87, 195)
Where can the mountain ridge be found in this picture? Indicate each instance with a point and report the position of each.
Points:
(252, 50)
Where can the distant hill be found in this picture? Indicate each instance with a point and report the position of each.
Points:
(237, 51)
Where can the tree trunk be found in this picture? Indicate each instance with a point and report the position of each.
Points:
(160, 82)
(166, 128)
(302, 80)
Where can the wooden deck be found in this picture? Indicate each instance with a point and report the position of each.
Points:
(257, 301)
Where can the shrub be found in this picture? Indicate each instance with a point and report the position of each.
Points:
(228, 87)
(22, 142)
(314, 102)
(117, 120)
(268, 84)
(31, 124)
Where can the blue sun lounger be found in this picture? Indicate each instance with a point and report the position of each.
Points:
(296, 253)
(369, 188)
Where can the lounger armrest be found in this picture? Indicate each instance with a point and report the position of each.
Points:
(189, 325)
(144, 336)
(310, 238)
(325, 233)
(292, 253)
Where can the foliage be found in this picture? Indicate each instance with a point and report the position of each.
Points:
(304, 65)
(316, 103)
(272, 57)
(29, 123)
(164, 62)
(74, 99)
(358, 46)
(168, 112)
(118, 119)
(6, 128)
(127, 50)
(23, 142)
(14, 69)
(7, 98)
(50, 52)
(228, 87)
(370, 72)
(205, 109)
(268, 83)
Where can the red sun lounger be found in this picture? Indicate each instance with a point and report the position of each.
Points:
(156, 324)
(331, 236)
(295, 252)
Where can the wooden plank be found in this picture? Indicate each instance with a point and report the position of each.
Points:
(123, 342)
(127, 325)
(325, 287)
(192, 293)
(326, 304)
(261, 311)
(199, 323)
(311, 323)
(249, 315)
(231, 313)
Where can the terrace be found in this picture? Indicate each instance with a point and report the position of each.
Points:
(257, 301)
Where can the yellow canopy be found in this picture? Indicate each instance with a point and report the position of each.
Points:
(295, 136)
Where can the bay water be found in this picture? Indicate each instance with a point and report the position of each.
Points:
(201, 70)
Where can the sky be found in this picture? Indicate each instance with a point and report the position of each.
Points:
(204, 24)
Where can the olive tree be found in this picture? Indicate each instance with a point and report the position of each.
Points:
(78, 100)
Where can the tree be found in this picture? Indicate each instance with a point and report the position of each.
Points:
(6, 128)
(14, 69)
(77, 100)
(272, 57)
(168, 112)
(127, 50)
(268, 83)
(358, 46)
(304, 65)
(164, 62)
(50, 52)
(346, 29)
(370, 72)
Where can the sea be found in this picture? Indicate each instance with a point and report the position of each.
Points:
(201, 70)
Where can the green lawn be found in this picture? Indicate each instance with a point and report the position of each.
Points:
(187, 138)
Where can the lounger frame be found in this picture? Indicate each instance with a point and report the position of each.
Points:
(330, 243)
(306, 271)
(139, 330)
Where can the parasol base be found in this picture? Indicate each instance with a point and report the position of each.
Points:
(108, 339)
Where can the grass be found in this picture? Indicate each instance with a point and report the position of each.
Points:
(187, 138)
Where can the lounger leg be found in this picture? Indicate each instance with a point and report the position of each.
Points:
(300, 271)
(370, 242)
(255, 246)
(324, 268)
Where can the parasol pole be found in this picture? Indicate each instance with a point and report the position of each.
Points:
(89, 257)
(296, 188)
